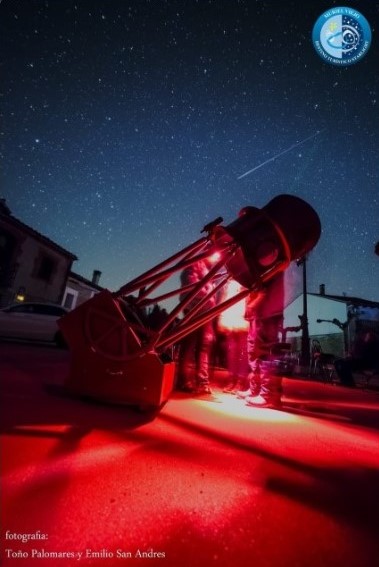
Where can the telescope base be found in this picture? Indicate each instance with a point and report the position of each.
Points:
(145, 382)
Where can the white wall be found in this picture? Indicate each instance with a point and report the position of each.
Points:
(319, 307)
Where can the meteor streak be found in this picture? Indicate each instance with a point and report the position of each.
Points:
(278, 155)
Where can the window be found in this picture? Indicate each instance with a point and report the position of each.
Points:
(46, 269)
(70, 298)
(53, 310)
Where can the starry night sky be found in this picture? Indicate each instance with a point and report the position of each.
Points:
(127, 124)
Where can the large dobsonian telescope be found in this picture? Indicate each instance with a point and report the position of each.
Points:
(116, 357)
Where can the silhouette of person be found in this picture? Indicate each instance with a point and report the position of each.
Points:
(234, 326)
(364, 356)
(195, 349)
(265, 315)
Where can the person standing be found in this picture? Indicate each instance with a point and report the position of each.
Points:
(364, 356)
(233, 325)
(195, 349)
(265, 315)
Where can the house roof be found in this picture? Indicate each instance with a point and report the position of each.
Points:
(348, 299)
(84, 280)
(7, 217)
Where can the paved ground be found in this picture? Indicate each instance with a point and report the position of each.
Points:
(200, 484)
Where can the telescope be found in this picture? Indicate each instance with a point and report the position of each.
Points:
(117, 357)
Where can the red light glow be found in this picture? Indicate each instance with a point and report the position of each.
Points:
(215, 257)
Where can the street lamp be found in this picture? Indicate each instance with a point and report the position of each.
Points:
(343, 326)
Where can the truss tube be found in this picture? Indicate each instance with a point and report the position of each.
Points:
(146, 280)
(192, 294)
(187, 327)
(172, 293)
(205, 300)
(191, 248)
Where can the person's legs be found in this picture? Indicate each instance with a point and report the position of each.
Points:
(205, 337)
(254, 344)
(242, 364)
(252, 385)
(270, 390)
(344, 368)
(186, 363)
(231, 354)
(237, 362)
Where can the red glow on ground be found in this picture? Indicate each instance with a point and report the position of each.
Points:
(232, 407)
(206, 483)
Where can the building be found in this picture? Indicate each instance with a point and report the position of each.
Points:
(333, 320)
(79, 289)
(32, 267)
